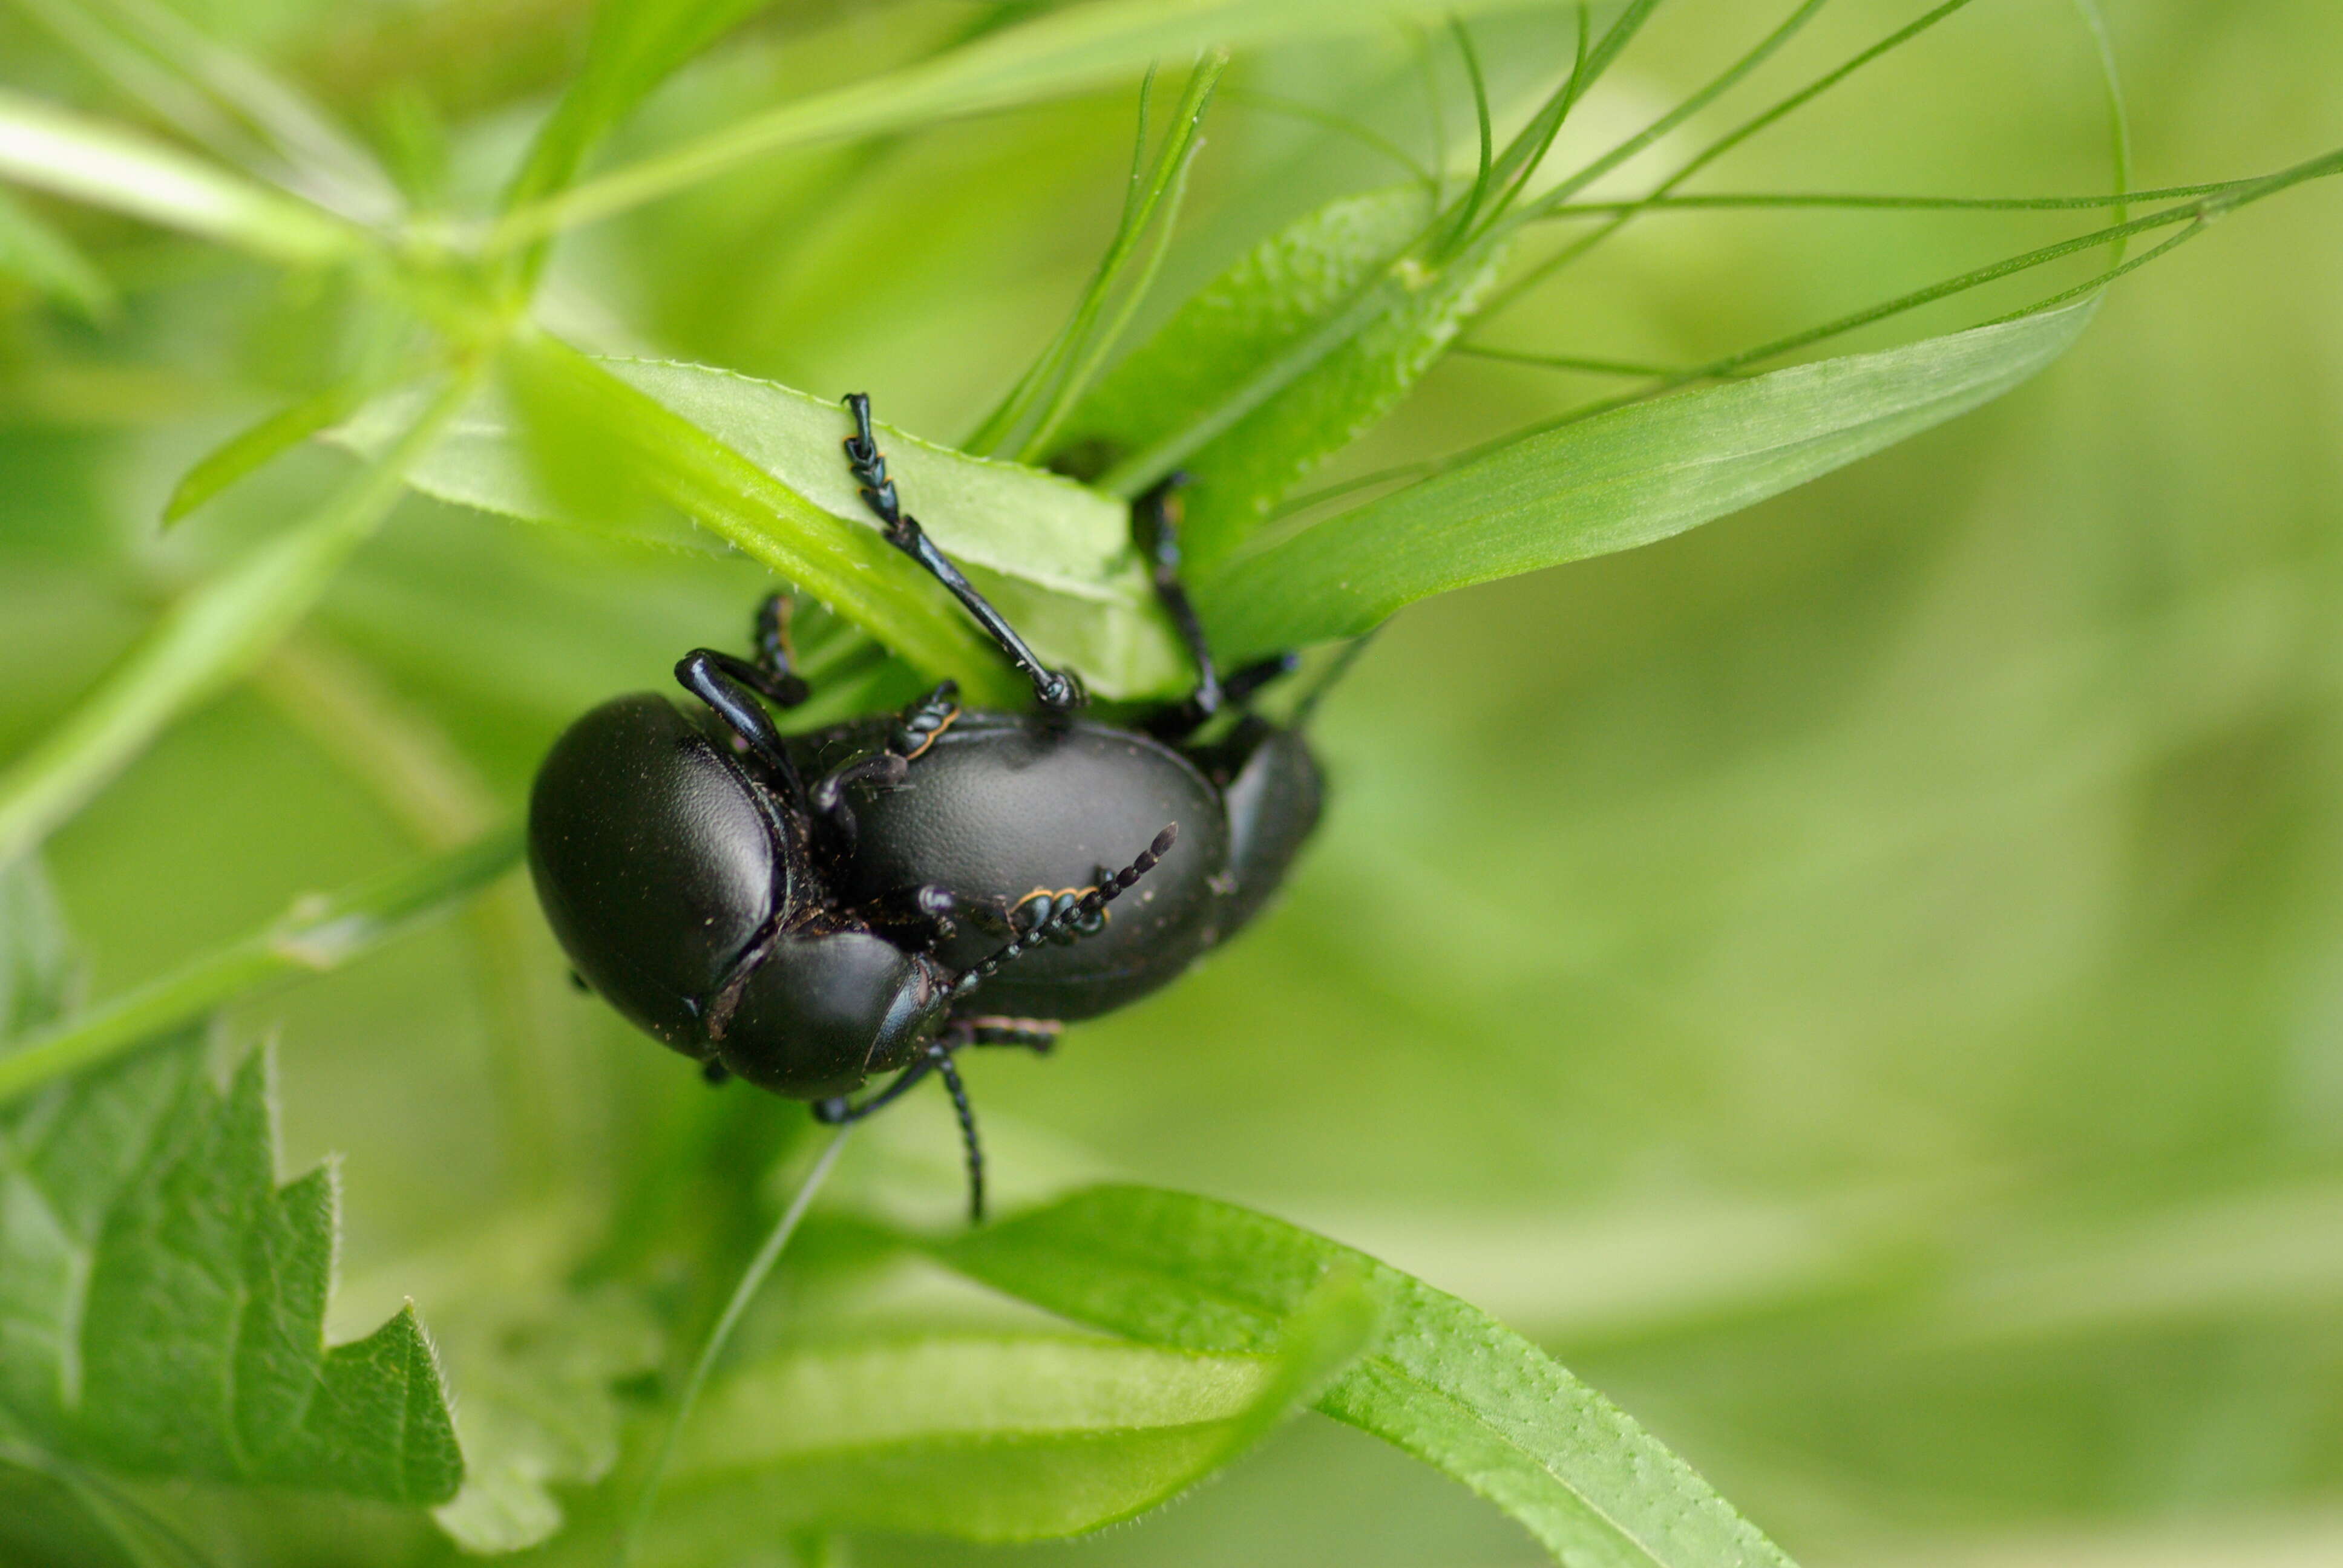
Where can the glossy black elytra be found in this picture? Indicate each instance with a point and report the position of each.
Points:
(805, 911)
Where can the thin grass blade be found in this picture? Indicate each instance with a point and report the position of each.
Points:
(1625, 478)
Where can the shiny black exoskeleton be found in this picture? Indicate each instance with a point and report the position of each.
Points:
(805, 911)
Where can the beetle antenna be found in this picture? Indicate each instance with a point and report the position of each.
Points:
(1067, 915)
(940, 1054)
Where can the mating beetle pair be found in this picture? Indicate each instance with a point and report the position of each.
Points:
(804, 911)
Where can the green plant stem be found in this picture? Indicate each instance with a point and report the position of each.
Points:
(1706, 156)
(1565, 361)
(89, 161)
(1733, 200)
(752, 1280)
(317, 936)
(2197, 215)
(203, 642)
(1714, 88)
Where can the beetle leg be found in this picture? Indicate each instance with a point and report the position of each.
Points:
(716, 679)
(827, 796)
(777, 663)
(1039, 1035)
(936, 910)
(1155, 529)
(924, 719)
(936, 1060)
(1055, 690)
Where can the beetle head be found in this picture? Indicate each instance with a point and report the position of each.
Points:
(818, 1014)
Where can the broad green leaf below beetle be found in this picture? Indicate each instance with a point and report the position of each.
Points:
(990, 1437)
(1439, 1381)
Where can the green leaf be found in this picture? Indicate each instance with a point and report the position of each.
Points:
(210, 637)
(255, 446)
(1285, 360)
(537, 1410)
(759, 466)
(1067, 50)
(990, 1437)
(1441, 1381)
(90, 161)
(37, 967)
(39, 256)
(1620, 479)
(319, 934)
(162, 1300)
(636, 45)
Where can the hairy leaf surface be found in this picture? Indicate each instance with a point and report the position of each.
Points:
(162, 1300)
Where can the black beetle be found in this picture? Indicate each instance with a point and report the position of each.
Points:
(804, 936)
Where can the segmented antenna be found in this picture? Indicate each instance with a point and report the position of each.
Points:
(1084, 908)
(950, 1075)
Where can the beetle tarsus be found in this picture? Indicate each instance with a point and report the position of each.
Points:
(1055, 690)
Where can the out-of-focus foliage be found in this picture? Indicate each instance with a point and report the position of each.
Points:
(1859, 983)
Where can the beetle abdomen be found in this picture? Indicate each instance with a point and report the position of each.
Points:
(655, 859)
(1006, 805)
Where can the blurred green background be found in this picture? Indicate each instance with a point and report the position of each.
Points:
(1862, 983)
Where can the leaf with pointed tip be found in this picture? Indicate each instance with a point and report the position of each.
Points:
(1625, 478)
(993, 1438)
(255, 445)
(1441, 1381)
(1283, 360)
(759, 466)
(37, 967)
(162, 1300)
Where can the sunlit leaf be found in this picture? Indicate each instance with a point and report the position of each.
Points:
(987, 1438)
(1441, 1381)
(87, 160)
(1612, 482)
(255, 446)
(760, 466)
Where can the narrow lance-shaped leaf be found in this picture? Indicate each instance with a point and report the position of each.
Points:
(1066, 50)
(89, 161)
(990, 1437)
(1612, 482)
(760, 466)
(634, 46)
(211, 637)
(1285, 360)
(1440, 1380)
